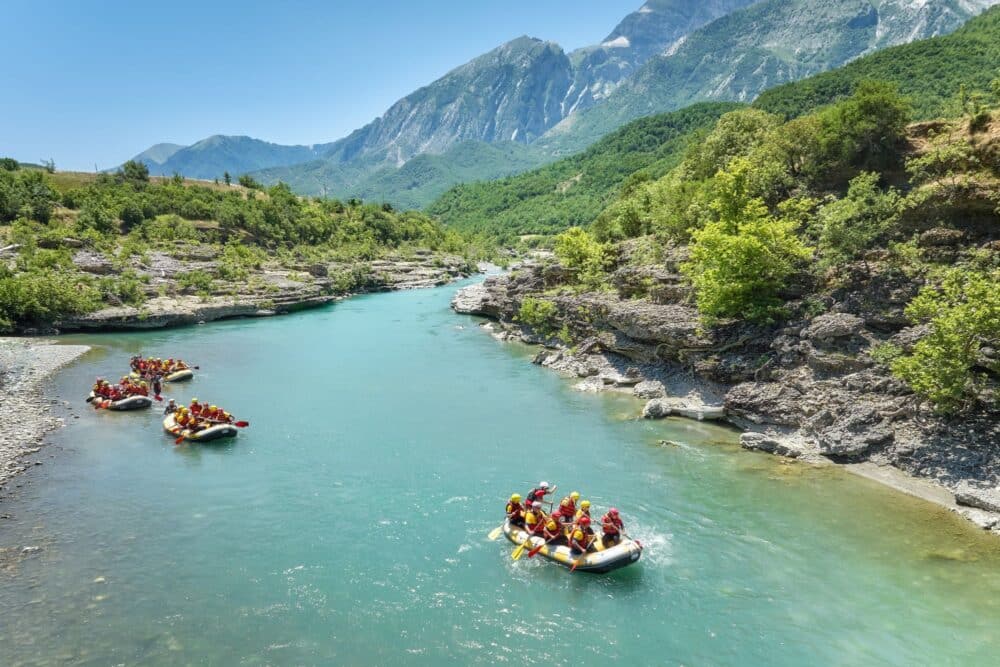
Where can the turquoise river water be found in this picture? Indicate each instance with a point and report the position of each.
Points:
(347, 525)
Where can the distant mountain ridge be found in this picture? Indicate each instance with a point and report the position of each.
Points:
(743, 53)
(514, 93)
(529, 93)
(211, 157)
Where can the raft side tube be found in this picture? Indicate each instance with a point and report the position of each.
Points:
(129, 403)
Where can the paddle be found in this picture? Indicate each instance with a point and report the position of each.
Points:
(495, 533)
(519, 551)
(180, 439)
(90, 398)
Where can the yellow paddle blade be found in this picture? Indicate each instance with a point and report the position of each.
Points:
(518, 551)
(495, 533)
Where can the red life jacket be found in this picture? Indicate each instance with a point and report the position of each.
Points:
(611, 525)
(581, 539)
(514, 510)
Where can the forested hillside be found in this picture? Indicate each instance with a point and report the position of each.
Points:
(929, 72)
(74, 243)
(574, 190)
(932, 74)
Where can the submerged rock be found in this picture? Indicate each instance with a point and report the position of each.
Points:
(658, 408)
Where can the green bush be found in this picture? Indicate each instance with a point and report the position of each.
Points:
(963, 313)
(740, 262)
(539, 314)
(847, 227)
(238, 260)
(43, 296)
(581, 252)
(198, 281)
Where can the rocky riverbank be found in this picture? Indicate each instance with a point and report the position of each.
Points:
(170, 298)
(27, 413)
(807, 389)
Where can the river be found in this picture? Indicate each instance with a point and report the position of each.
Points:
(348, 524)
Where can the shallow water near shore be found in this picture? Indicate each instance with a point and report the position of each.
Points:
(348, 524)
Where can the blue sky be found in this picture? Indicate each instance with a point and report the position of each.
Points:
(90, 83)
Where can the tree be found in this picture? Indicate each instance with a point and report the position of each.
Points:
(847, 227)
(227, 178)
(578, 250)
(134, 171)
(247, 181)
(740, 260)
(9, 164)
(870, 125)
(963, 313)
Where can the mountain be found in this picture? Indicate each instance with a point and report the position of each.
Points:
(741, 54)
(157, 154)
(416, 183)
(211, 157)
(514, 93)
(574, 190)
(929, 72)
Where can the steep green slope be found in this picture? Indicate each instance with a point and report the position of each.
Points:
(574, 190)
(928, 72)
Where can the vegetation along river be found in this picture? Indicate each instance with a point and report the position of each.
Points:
(348, 524)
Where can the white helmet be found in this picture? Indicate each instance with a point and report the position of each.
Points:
(543, 485)
(536, 504)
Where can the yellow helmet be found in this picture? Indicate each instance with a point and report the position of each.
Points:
(575, 495)
(212, 407)
(585, 505)
(194, 400)
(515, 498)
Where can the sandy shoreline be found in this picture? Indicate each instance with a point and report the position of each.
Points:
(27, 409)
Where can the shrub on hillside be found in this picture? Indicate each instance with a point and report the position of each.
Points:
(946, 367)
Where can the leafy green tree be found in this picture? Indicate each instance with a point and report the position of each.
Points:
(248, 181)
(578, 250)
(963, 312)
(227, 178)
(847, 227)
(740, 261)
(539, 314)
(9, 164)
(134, 171)
(736, 134)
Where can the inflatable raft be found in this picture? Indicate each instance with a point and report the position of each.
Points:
(216, 432)
(130, 403)
(176, 376)
(600, 561)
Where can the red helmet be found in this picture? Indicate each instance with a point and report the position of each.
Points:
(584, 520)
(613, 511)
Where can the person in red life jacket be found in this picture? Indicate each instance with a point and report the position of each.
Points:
(581, 538)
(612, 525)
(539, 492)
(195, 407)
(515, 511)
(552, 530)
(534, 518)
(567, 507)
